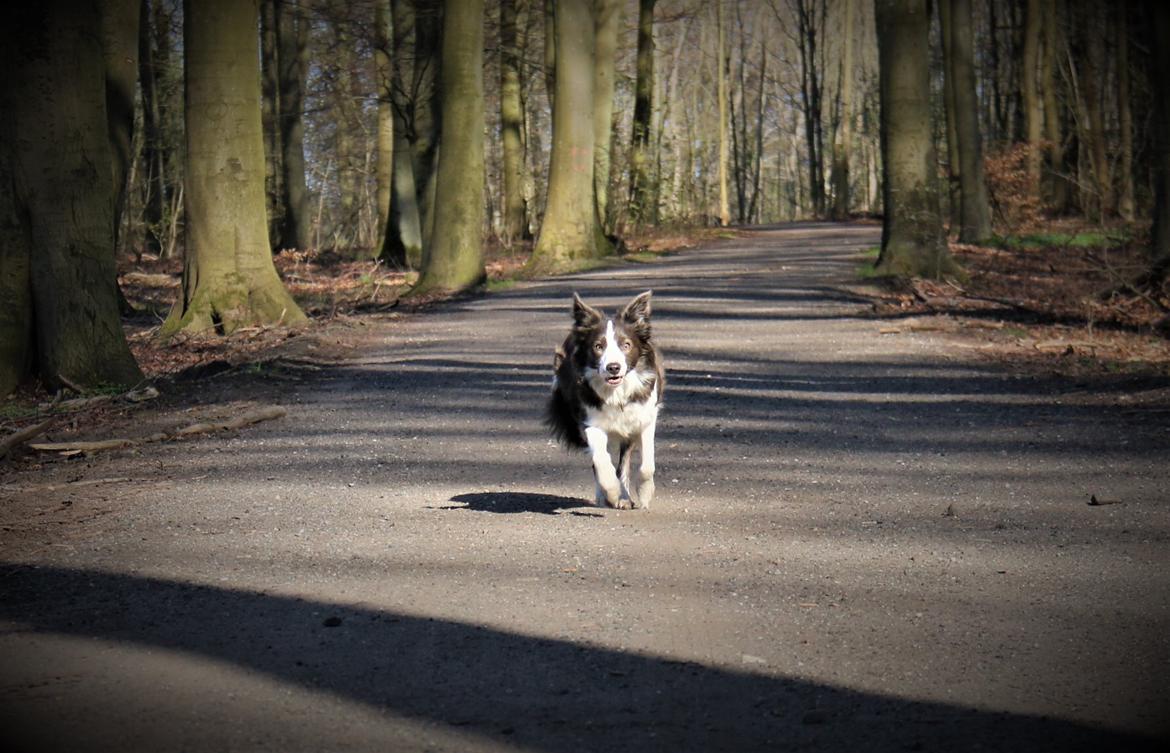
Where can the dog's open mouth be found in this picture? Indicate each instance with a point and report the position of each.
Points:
(614, 380)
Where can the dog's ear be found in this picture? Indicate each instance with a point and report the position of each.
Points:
(584, 315)
(637, 313)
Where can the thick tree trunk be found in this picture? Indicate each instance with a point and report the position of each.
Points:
(843, 144)
(455, 261)
(912, 237)
(428, 122)
(292, 41)
(975, 214)
(571, 231)
(608, 17)
(641, 189)
(229, 280)
(56, 203)
(512, 121)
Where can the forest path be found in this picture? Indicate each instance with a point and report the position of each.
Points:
(860, 542)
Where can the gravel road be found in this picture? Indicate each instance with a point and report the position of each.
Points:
(860, 542)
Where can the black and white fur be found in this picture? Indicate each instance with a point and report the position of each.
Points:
(606, 395)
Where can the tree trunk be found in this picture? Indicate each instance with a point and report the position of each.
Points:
(607, 19)
(912, 237)
(721, 93)
(120, 20)
(384, 169)
(270, 119)
(1159, 15)
(292, 40)
(571, 231)
(810, 93)
(954, 163)
(59, 305)
(975, 221)
(1125, 200)
(402, 246)
(550, 52)
(455, 261)
(1058, 191)
(1100, 201)
(512, 122)
(229, 280)
(843, 144)
(428, 120)
(1033, 106)
(640, 183)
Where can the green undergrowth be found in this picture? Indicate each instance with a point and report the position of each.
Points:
(1084, 239)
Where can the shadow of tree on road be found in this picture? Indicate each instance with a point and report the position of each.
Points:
(535, 693)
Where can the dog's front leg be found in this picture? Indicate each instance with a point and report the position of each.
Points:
(646, 470)
(609, 488)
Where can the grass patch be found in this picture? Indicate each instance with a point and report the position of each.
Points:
(1084, 239)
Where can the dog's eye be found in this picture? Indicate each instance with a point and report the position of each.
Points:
(598, 346)
(626, 346)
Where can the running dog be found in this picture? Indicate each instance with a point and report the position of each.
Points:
(606, 394)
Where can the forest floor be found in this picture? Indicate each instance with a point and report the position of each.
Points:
(921, 518)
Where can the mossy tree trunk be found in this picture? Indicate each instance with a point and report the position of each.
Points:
(58, 294)
(228, 276)
(571, 231)
(912, 234)
(455, 261)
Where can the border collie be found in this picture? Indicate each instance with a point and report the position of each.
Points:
(606, 394)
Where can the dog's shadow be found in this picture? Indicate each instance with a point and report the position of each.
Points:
(513, 502)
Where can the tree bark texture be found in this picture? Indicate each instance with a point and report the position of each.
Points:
(1125, 197)
(58, 293)
(954, 163)
(402, 246)
(912, 237)
(975, 213)
(455, 261)
(571, 231)
(229, 279)
(721, 93)
(1033, 105)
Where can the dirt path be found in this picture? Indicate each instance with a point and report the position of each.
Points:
(861, 542)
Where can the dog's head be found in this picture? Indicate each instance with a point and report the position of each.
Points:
(609, 349)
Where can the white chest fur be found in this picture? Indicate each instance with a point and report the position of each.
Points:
(617, 415)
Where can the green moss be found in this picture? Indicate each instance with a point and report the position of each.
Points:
(1086, 239)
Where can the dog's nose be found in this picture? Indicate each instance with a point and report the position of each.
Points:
(613, 368)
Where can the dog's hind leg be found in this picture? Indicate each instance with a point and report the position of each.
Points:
(609, 487)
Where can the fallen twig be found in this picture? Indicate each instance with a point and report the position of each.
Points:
(18, 438)
(251, 417)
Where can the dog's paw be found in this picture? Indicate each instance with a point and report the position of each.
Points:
(621, 504)
(645, 494)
